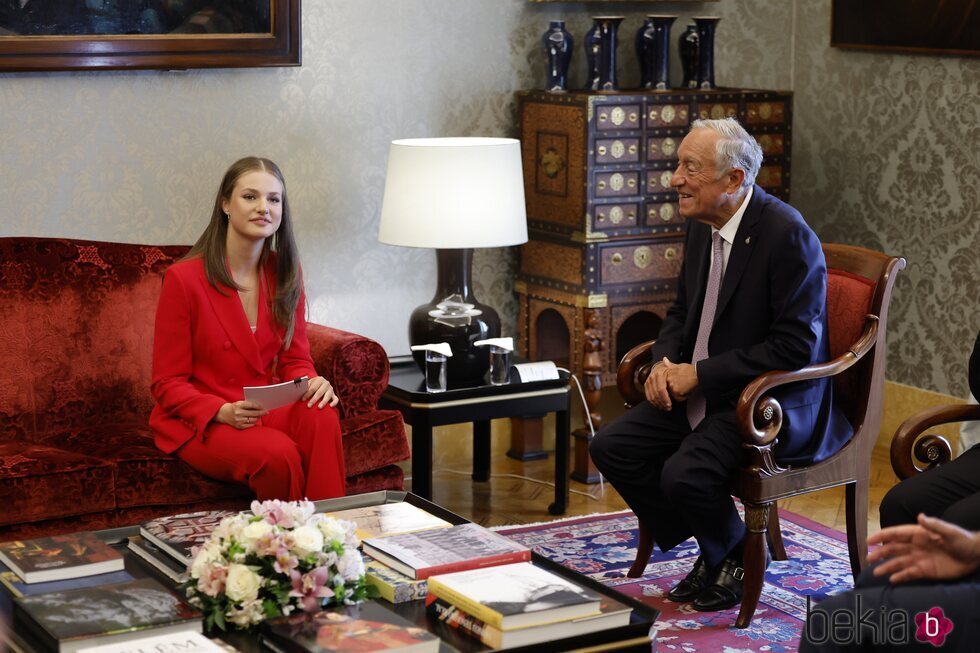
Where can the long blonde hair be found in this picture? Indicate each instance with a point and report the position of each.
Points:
(211, 247)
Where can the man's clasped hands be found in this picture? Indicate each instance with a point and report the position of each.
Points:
(669, 382)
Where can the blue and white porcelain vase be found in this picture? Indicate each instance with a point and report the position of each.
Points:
(558, 45)
(600, 51)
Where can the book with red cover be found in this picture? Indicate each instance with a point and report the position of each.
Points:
(179, 535)
(423, 554)
(60, 557)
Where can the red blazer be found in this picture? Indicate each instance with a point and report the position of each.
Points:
(204, 352)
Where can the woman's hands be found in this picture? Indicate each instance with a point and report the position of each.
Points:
(320, 393)
(932, 549)
(241, 414)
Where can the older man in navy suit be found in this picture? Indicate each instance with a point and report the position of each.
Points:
(751, 297)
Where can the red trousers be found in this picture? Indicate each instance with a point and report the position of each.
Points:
(293, 453)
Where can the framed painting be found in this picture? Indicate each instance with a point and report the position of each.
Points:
(40, 35)
(914, 26)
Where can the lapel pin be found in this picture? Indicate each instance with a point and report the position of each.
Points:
(748, 239)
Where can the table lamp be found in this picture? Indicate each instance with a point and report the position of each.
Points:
(454, 194)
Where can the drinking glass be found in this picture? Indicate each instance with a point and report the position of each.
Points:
(435, 372)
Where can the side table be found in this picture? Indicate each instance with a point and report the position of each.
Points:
(477, 404)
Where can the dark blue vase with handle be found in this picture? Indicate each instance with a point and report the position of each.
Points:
(653, 49)
(558, 47)
(706, 51)
(600, 51)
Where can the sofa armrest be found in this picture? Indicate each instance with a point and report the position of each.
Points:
(356, 366)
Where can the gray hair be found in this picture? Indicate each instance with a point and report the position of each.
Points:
(736, 148)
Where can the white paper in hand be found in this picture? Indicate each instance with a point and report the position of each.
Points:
(275, 396)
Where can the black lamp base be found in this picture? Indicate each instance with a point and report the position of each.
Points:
(455, 316)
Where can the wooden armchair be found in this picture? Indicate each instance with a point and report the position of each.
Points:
(859, 289)
(912, 452)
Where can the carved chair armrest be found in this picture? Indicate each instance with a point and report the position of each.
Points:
(931, 449)
(759, 417)
(632, 373)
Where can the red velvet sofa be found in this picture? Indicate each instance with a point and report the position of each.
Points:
(76, 335)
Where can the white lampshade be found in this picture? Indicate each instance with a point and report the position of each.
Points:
(454, 193)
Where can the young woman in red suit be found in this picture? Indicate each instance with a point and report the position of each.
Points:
(232, 314)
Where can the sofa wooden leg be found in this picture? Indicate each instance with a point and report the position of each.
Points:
(756, 521)
(644, 548)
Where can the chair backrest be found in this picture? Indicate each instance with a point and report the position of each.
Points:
(859, 282)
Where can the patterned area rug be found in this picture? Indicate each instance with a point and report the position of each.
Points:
(603, 547)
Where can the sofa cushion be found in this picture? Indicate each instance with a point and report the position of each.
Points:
(144, 475)
(374, 440)
(44, 482)
(357, 367)
(390, 477)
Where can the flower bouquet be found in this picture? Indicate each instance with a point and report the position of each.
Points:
(279, 558)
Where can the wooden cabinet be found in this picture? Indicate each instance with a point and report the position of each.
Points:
(605, 238)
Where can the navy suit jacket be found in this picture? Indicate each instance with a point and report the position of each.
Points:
(771, 315)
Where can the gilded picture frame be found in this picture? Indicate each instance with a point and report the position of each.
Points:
(58, 35)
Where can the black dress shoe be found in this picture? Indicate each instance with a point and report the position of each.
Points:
(692, 585)
(724, 589)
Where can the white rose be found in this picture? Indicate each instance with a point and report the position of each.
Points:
(242, 583)
(306, 540)
(254, 532)
(208, 554)
(332, 530)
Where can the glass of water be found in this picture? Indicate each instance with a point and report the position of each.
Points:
(499, 365)
(435, 371)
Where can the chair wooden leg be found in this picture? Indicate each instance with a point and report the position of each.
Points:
(644, 548)
(856, 505)
(776, 535)
(756, 521)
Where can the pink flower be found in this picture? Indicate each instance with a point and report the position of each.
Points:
(285, 562)
(310, 588)
(212, 580)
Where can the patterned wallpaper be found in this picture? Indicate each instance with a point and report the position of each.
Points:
(883, 148)
(887, 155)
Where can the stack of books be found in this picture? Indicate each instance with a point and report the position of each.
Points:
(168, 543)
(60, 557)
(519, 605)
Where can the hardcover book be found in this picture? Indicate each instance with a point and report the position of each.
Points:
(612, 614)
(184, 641)
(514, 596)
(156, 558)
(364, 627)
(60, 557)
(389, 519)
(179, 535)
(422, 554)
(11, 585)
(393, 586)
(73, 619)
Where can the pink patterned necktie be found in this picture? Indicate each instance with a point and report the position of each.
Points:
(696, 402)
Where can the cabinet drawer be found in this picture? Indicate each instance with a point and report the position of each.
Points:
(717, 110)
(659, 214)
(662, 148)
(667, 115)
(658, 181)
(610, 117)
(644, 262)
(765, 113)
(617, 150)
(772, 144)
(613, 216)
(770, 176)
(617, 184)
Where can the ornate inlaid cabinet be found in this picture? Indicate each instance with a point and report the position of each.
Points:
(605, 239)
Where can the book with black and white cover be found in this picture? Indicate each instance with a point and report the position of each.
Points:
(514, 596)
(179, 535)
(364, 627)
(422, 554)
(183, 641)
(389, 519)
(73, 619)
(612, 614)
(156, 558)
(392, 586)
(60, 557)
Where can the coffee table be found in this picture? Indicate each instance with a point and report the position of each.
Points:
(638, 635)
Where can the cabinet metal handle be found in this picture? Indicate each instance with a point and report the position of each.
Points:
(617, 258)
(670, 253)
